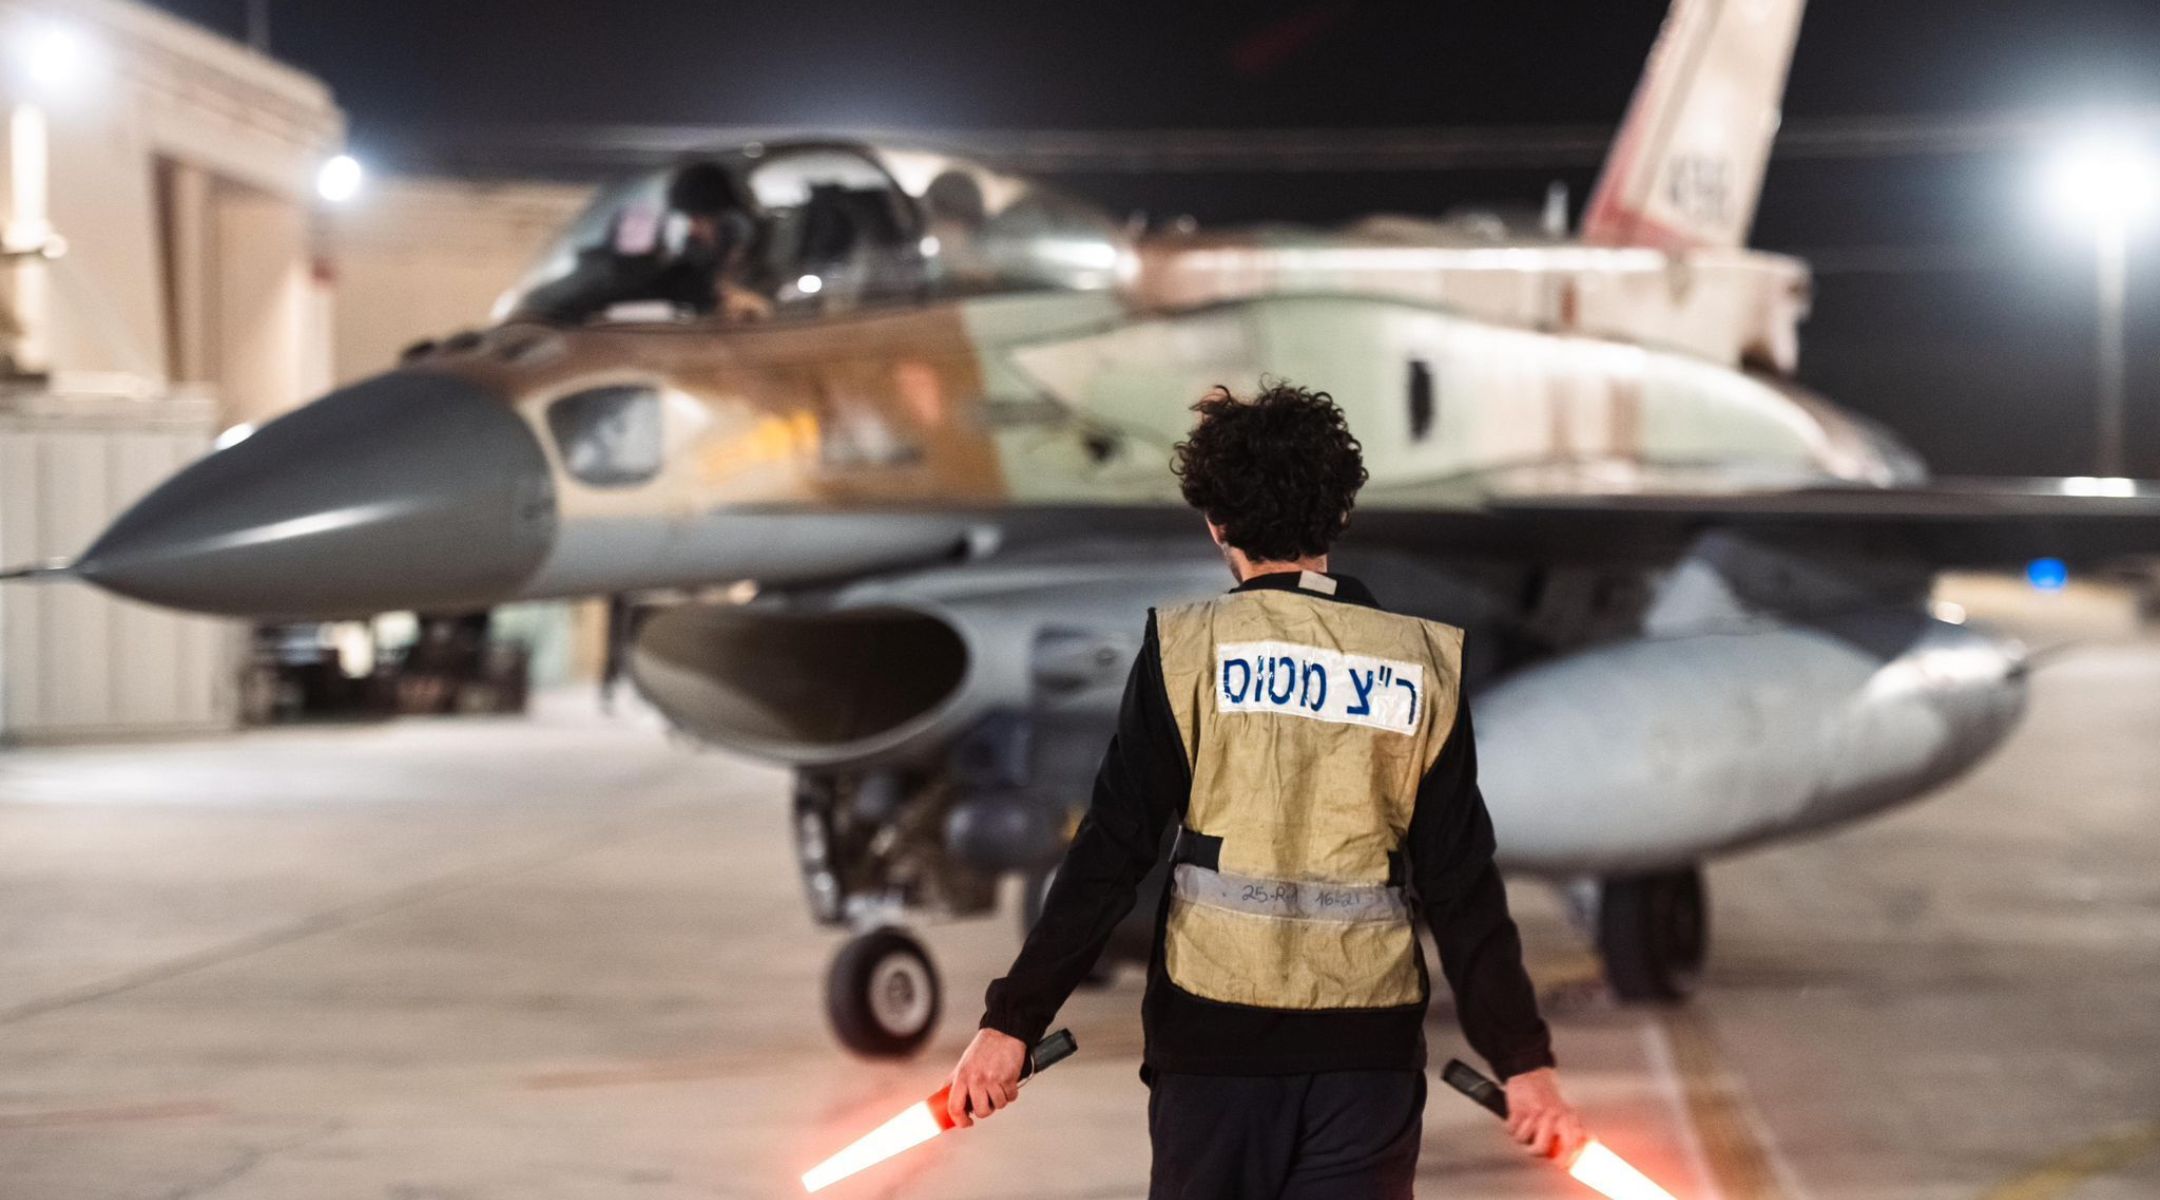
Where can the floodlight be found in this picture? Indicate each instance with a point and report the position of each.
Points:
(339, 179)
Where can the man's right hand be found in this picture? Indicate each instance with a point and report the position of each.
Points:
(988, 1077)
(1541, 1118)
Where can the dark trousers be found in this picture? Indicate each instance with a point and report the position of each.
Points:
(1342, 1135)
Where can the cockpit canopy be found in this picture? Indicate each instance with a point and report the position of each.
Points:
(810, 229)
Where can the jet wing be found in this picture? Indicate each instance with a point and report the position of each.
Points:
(1946, 524)
(1950, 523)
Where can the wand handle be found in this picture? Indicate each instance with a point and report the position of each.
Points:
(1049, 1052)
(1470, 1082)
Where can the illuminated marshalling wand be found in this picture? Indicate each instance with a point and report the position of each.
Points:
(1594, 1166)
(922, 1121)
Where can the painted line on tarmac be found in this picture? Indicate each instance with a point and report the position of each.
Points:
(2103, 1155)
(1657, 1048)
(1745, 1162)
(112, 1114)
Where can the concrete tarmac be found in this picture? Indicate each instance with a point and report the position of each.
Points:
(567, 957)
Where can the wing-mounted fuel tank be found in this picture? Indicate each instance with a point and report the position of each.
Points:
(1660, 752)
(1770, 693)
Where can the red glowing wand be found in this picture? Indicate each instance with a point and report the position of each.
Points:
(922, 1121)
(1594, 1166)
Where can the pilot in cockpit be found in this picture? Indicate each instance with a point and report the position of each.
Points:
(694, 257)
(954, 215)
(712, 269)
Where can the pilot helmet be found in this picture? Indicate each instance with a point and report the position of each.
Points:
(704, 190)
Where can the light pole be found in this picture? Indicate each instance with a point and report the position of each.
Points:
(2107, 183)
(258, 26)
(2111, 268)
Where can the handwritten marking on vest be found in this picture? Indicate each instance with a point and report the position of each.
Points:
(1320, 684)
(1288, 899)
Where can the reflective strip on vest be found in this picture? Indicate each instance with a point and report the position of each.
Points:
(1289, 900)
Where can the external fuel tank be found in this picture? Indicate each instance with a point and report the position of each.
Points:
(1656, 752)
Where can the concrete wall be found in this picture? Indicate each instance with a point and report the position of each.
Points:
(262, 301)
(203, 285)
(75, 662)
(422, 258)
(178, 169)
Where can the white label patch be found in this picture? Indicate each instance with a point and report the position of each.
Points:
(1324, 685)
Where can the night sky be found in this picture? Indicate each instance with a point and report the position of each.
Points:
(1948, 304)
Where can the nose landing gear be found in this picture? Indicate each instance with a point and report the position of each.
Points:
(871, 851)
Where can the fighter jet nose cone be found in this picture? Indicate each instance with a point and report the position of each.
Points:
(409, 490)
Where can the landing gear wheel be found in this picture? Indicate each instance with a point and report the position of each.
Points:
(1653, 932)
(883, 995)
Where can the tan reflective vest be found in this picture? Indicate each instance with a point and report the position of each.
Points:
(1309, 723)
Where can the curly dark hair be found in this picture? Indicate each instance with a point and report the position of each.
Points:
(1278, 472)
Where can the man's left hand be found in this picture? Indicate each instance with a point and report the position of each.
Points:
(988, 1077)
(1541, 1118)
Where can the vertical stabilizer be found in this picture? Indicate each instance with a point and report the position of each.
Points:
(1688, 164)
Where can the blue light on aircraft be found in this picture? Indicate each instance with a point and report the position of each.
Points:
(2047, 574)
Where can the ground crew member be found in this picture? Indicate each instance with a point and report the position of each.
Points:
(1315, 753)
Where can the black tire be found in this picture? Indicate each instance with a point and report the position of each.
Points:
(883, 996)
(1653, 934)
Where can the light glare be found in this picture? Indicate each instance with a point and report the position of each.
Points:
(339, 179)
(52, 56)
(2102, 485)
(1606, 1173)
(2104, 178)
(904, 1132)
(809, 285)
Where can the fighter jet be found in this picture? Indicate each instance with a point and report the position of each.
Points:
(878, 439)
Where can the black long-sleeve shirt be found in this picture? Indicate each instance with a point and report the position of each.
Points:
(1143, 786)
